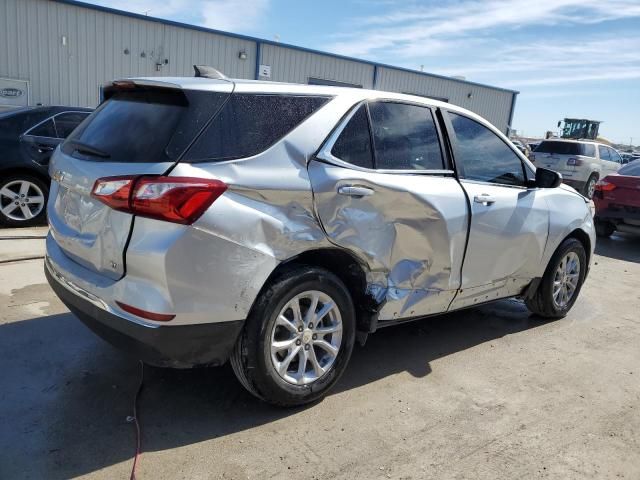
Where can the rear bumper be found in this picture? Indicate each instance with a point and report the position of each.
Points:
(180, 346)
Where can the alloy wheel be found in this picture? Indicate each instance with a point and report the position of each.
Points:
(21, 200)
(565, 280)
(306, 337)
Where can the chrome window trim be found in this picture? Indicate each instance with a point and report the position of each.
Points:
(52, 117)
(325, 154)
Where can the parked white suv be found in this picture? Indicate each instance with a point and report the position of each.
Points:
(582, 163)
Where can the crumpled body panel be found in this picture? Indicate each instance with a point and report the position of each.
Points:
(411, 232)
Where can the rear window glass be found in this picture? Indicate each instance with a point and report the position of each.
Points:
(631, 169)
(143, 125)
(249, 124)
(567, 148)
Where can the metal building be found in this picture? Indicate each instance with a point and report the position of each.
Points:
(62, 51)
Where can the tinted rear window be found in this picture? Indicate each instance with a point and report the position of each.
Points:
(567, 148)
(249, 124)
(631, 169)
(144, 125)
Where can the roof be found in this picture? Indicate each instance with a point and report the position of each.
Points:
(271, 42)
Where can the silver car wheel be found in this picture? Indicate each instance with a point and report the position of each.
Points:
(21, 200)
(565, 280)
(306, 337)
(591, 187)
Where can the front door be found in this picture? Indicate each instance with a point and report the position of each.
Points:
(509, 222)
(383, 191)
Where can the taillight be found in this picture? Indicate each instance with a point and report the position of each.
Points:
(138, 312)
(574, 161)
(604, 186)
(173, 199)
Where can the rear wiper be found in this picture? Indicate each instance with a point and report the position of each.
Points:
(88, 149)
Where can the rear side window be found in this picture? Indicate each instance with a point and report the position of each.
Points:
(45, 129)
(354, 143)
(143, 125)
(68, 121)
(405, 137)
(249, 124)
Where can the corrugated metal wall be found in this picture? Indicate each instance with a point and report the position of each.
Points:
(101, 46)
(289, 65)
(492, 104)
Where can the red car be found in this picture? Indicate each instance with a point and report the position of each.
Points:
(617, 200)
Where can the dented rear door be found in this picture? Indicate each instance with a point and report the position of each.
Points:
(408, 225)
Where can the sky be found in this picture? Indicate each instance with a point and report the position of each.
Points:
(567, 58)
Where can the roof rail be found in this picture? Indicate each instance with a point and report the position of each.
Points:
(206, 71)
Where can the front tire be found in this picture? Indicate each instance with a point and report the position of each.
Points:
(23, 201)
(562, 281)
(298, 338)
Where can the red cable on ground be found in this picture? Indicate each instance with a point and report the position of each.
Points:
(136, 423)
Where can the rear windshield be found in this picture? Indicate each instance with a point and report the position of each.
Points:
(567, 148)
(631, 169)
(250, 123)
(143, 125)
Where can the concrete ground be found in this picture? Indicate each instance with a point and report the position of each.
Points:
(489, 393)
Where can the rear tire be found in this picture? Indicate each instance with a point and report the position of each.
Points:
(590, 186)
(547, 301)
(23, 200)
(282, 357)
(604, 229)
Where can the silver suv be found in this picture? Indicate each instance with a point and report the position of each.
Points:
(196, 220)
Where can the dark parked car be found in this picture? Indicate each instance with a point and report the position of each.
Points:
(617, 200)
(28, 137)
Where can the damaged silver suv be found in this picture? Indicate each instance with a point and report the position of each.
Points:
(197, 220)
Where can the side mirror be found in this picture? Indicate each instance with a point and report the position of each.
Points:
(546, 178)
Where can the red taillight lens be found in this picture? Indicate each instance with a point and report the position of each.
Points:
(173, 199)
(114, 191)
(604, 186)
(574, 161)
(138, 312)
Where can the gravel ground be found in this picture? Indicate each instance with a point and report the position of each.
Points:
(485, 393)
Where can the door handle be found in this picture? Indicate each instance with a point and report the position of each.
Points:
(45, 148)
(484, 199)
(352, 191)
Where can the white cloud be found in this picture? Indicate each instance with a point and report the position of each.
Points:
(467, 38)
(228, 15)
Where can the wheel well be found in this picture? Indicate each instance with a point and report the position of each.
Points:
(583, 238)
(26, 171)
(347, 268)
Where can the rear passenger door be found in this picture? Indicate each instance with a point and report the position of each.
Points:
(384, 190)
(509, 221)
